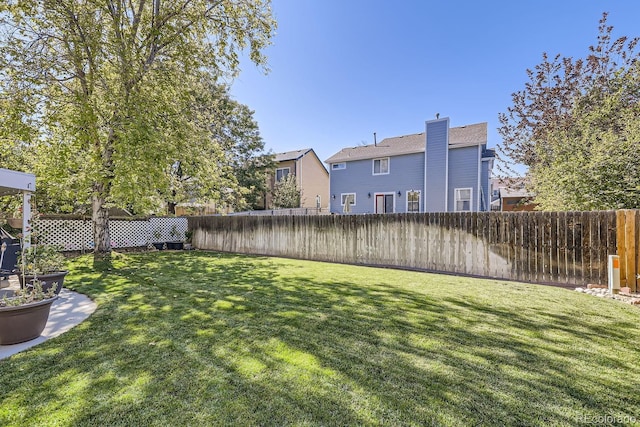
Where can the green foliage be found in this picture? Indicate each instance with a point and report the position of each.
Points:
(286, 193)
(101, 95)
(576, 126)
(41, 259)
(28, 295)
(230, 149)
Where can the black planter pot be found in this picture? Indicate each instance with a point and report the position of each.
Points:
(24, 322)
(159, 245)
(175, 246)
(46, 280)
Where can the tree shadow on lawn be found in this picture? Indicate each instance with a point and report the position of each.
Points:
(224, 339)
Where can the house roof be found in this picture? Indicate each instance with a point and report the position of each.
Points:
(509, 182)
(515, 192)
(291, 155)
(462, 136)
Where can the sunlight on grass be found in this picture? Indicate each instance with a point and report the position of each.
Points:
(249, 366)
(199, 338)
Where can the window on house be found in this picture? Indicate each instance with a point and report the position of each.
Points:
(351, 197)
(338, 166)
(385, 203)
(282, 173)
(381, 166)
(463, 199)
(413, 201)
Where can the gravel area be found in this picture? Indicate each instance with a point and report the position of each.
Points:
(632, 298)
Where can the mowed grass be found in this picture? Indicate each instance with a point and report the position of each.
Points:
(201, 339)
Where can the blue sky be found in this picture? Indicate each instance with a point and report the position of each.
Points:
(343, 69)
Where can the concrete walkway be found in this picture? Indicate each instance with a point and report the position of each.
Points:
(67, 311)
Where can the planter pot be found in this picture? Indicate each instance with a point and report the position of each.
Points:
(24, 322)
(175, 245)
(159, 245)
(46, 280)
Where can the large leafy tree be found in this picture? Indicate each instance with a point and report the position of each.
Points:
(576, 127)
(106, 89)
(232, 149)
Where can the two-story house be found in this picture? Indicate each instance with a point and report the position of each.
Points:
(440, 170)
(311, 176)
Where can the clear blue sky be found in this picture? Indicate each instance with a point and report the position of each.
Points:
(343, 69)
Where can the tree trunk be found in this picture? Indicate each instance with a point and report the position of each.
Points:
(100, 218)
(171, 208)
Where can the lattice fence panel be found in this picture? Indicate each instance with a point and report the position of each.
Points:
(129, 234)
(77, 234)
(167, 228)
(71, 234)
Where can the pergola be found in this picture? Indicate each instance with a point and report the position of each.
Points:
(13, 182)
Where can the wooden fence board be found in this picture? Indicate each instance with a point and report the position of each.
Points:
(630, 248)
(636, 282)
(620, 240)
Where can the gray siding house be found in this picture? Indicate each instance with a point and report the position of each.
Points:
(440, 170)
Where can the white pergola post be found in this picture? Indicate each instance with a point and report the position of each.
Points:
(13, 182)
(26, 219)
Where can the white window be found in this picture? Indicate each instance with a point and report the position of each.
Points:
(381, 166)
(282, 173)
(463, 199)
(338, 166)
(348, 196)
(413, 201)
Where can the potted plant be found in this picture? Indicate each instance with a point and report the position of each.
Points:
(42, 263)
(177, 242)
(157, 234)
(24, 315)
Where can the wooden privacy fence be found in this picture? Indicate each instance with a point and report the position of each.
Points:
(568, 248)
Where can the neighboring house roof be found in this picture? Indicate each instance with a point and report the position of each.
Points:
(291, 155)
(462, 136)
(515, 192)
(509, 182)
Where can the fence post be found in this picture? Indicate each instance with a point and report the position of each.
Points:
(627, 236)
(630, 243)
(635, 287)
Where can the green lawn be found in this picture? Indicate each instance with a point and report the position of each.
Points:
(203, 339)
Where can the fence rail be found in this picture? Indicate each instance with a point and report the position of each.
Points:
(291, 211)
(545, 247)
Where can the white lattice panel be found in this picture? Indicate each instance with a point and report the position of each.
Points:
(77, 234)
(71, 234)
(164, 226)
(129, 234)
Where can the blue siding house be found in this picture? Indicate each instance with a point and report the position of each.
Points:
(440, 170)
